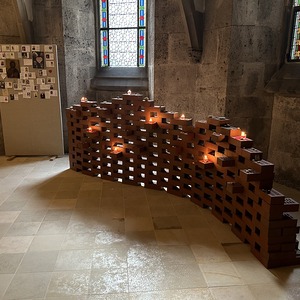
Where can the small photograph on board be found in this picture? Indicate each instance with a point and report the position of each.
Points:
(2, 63)
(38, 60)
(25, 54)
(2, 84)
(15, 48)
(35, 48)
(48, 48)
(25, 48)
(13, 68)
(4, 99)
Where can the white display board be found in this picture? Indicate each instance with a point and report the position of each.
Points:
(30, 100)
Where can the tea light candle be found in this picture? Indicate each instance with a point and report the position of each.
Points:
(129, 92)
(89, 129)
(205, 158)
(243, 135)
(151, 121)
(182, 117)
(83, 99)
(115, 150)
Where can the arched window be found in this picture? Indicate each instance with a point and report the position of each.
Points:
(294, 52)
(122, 33)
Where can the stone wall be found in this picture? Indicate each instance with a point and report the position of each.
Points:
(285, 140)
(253, 59)
(175, 70)
(70, 25)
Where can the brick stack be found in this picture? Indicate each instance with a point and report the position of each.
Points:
(130, 140)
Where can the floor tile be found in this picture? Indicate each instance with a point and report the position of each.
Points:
(31, 215)
(46, 243)
(221, 274)
(74, 260)
(79, 241)
(246, 269)
(5, 280)
(184, 294)
(34, 262)
(209, 252)
(138, 224)
(23, 286)
(241, 292)
(9, 262)
(69, 283)
(110, 257)
(15, 244)
(171, 237)
(166, 222)
(107, 281)
(23, 228)
(53, 227)
(8, 216)
(269, 291)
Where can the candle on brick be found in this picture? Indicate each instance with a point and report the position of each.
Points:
(129, 92)
(89, 129)
(83, 99)
(115, 150)
(182, 117)
(205, 158)
(243, 135)
(151, 121)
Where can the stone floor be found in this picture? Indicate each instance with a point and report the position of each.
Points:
(64, 235)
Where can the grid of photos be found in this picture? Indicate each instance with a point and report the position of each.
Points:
(27, 72)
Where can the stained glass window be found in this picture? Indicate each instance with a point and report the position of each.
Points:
(122, 33)
(295, 38)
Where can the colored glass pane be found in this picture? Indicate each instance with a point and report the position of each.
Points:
(296, 2)
(122, 48)
(122, 14)
(103, 13)
(123, 34)
(295, 45)
(104, 48)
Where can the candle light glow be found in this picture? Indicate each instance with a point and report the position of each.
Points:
(129, 92)
(243, 135)
(83, 99)
(182, 117)
(205, 158)
(89, 129)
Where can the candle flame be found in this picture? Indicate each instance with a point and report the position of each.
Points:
(89, 129)
(205, 158)
(129, 92)
(182, 116)
(150, 120)
(83, 99)
(243, 134)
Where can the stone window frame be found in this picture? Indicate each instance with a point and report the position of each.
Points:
(294, 11)
(285, 82)
(118, 78)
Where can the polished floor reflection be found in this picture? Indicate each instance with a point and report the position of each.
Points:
(64, 235)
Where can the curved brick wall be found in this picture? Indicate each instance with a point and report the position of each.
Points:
(132, 141)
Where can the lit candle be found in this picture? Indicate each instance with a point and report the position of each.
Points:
(89, 129)
(115, 150)
(150, 120)
(205, 158)
(182, 117)
(83, 99)
(243, 135)
(129, 92)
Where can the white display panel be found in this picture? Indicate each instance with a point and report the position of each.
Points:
(30, 100)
